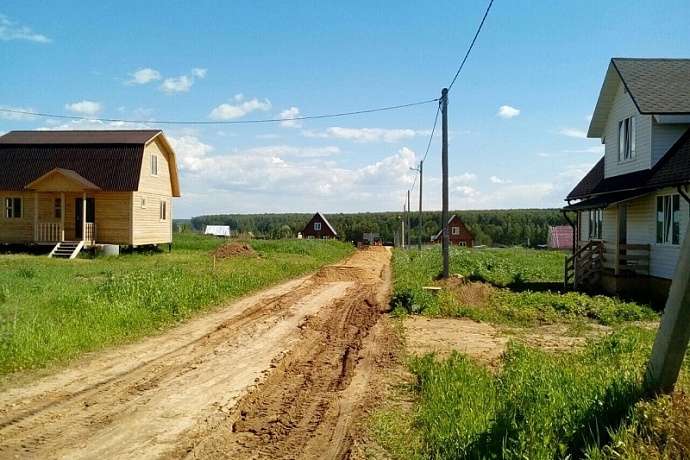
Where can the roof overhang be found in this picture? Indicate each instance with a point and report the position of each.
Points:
(61, 180)
(604, 201)
(604, 102)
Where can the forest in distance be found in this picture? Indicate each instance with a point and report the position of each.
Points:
(510, 227)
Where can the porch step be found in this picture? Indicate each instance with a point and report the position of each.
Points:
(67, 249)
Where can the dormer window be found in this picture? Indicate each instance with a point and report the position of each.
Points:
(626, 139)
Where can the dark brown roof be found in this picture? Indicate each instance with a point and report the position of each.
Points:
(79, 137)
(657, 86)
(674, 168)
(587, 183)
(109, 159)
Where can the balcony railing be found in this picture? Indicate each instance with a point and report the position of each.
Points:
(594, 257)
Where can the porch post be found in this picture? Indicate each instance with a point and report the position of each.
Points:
(35, 216)
(83, 217)
(672, 338)
(63, 210)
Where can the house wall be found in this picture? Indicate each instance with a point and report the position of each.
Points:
(17, 230)
(309, 231)
(112, 217)
(464, 236)
(622, 108)
(148, 227)
(642, 230)
(663, 138)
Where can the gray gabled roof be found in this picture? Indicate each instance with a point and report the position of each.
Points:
(656, 86)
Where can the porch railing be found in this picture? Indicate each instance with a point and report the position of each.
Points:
(626, 258)
(48, 232)
(584, 266)
(90, 234)
(52, 232)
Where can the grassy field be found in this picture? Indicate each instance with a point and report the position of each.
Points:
(54, 310)
(585, 403)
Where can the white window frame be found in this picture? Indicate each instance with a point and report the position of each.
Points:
(626, 139)
(668, 219)
(596, 227)
(154, 164)
(463, 244)
(455, 230)
(310, 237)
(13, 207)
(317, 226)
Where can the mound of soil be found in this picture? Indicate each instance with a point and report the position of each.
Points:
(233, 250)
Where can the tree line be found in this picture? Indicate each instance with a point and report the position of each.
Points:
(522, 227)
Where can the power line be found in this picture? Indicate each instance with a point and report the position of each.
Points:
(479, 29)
(223, 122)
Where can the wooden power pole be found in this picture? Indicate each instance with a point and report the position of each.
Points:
(419, 236)
(672, 338)
(444, 166)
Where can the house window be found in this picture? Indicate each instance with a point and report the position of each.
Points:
(154, 165)
(58, 208)
(668, 219)
(455, 230)
(143, 202)
(596, 218)
(317, 226)
(310, 237)
(164, 209)
(13, 208)
(463, 244)
(626, 139)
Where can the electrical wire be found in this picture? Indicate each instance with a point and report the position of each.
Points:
(469, 50)
(220, 122)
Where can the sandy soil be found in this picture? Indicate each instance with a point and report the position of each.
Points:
(286, 373)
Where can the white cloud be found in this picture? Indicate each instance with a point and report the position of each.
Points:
(239, 110)
(496, 180)
(288, 150)
(289, 115)
(85, 108)
(143, 76)
(183, 83)
(465, 191)
(572, 132)
(17, 113)
(506, 111)
(191, 153)
(364, 135)
(12, 31)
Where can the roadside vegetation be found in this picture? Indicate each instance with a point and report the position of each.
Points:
(587, 402)
(54, 310)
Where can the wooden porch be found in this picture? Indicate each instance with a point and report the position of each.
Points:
(54, 232)
(585, 267)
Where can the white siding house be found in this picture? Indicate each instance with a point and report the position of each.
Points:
(640, 187)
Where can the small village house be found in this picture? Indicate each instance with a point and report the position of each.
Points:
(560, 238)
(633, 206)
(319, 228)
(458, 234)
(91, 187)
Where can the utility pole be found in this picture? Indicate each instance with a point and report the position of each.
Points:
(402, 229)
(444, 167)
(419, 237)
(409, 228)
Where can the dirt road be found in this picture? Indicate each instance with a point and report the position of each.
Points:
(286, 373)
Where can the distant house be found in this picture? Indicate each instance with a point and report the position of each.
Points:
(560, 238)
(217, 230)
(458, 233)
(632, 206)
(319, 228)
(91, 187)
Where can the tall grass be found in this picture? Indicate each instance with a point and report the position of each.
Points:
(52, 310)
(539, 405)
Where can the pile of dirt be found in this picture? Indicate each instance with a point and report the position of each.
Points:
(233, 250)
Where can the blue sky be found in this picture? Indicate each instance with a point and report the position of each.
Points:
(518, 111)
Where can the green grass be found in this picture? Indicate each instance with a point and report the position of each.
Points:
(52, 311)
(584, 403)
(521, 287)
